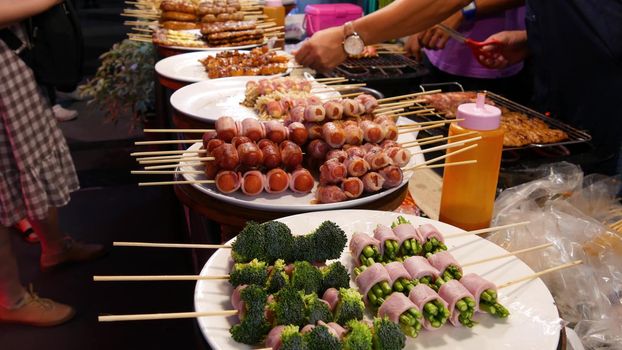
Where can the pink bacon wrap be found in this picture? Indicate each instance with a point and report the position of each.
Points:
(405, 232)
(396, 270)
(273, 339)
(394, 306)
(367, 279)
(330, 194)
(442, 260)
(356, 166)
(358, 242)
(418, 267)
(427, 231)
(331, 296)
(253, 183)
(452, 292)
(476, 285)
(421, 295)
(382, 233)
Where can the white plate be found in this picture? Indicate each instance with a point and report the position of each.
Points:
(533, 324)
(209, 100)
(186, 67)
(215, 48)
(289, 201)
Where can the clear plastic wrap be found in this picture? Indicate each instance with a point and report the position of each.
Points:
(574, 213)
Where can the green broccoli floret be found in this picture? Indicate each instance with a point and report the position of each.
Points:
(254, 272)
(350, 306)
(291, 339)
(303, 248)
(279, 242)
(334, 275)
(387, 335)
(317, 310)
(306, 277)
(254, 327)
(329, 240)
(277, 279)
(359, 337)
(249, 244)
(320, 338)
(288, 307)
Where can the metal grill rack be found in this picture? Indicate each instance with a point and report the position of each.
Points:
(383, 67)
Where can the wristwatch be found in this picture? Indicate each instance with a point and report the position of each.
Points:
(353, 45)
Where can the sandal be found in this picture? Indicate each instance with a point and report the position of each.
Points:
(26, 231)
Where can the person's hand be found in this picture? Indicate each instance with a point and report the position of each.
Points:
(324, 51)
(413, 47)
(435, 38)
(512, 48)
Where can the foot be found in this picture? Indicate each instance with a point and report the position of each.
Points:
(28, 234)
(62, 114)
(74, 95)
(73, 251)
(38, 312)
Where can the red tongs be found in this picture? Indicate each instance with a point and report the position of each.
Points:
(475, 46)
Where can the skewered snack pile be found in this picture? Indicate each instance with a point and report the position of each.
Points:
(259, 61)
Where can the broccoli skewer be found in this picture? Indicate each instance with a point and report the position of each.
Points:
(349, 307)
(253, 272)
(254, 326)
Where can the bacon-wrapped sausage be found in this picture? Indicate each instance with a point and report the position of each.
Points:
(228, 181)
(275, 131)
(356, 166)
(338, 154)
(277, 181)
(350, 108)
(314, 130)
(352, 187)
(400, 156)
(301, 181)
(207, 137)
(271, 154)
(333, 134)
(226, 128)
(314, 113)
(317, 149)
(372, 181)
(253, 129)
(334, 110)
(211, 169)
(386, 144)
(238, 140)
(355, 151)
(330, 194)
(372, 132)
(390, 130)
(392, 175)
(253, 183)
(291, 154)
(274, 109)
(250, 155)
(211, 145)
(295, 115)
(369, 102)
(332, 172)
(377, 159)
(353, 134)
(298, 133)
(226, 156)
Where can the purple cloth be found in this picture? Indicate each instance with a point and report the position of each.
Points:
(457, 59)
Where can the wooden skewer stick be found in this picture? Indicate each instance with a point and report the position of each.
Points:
(159, 278)
(420, 128)
(178, 182)
(354, 94)
(435, 139)
(170, 245)
(273, 29)
(171, 166)
(176, 160)
(165, 142)
(446, 165)
(448, 145)
(140, 40)
(442, 157)
(389, 111)
(417, 112)
(165, 172)
(398, 103)
(329, 79)
(433, 122)
(516, 252)
(180, 130)
(486, 230)
(538, 274)
(401, 97)
(165, 316)
(335, 81)
(174, 156)
(152, 153)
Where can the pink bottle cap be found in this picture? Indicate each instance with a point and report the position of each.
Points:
(479, 115)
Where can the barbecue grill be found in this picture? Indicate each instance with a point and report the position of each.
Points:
(383, 67)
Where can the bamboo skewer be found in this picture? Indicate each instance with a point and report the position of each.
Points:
(516, 252)
(165, 316)
(151, 153)
(169, 166)
(179, 182)
(165, 142)
(329, 79)
(419, 129)
(159, 278)
(417, 141)
(442, 157)
(418, 112)
(354, 94)
(180, 130)
(448, 145)
(435, 139)
(389, 111)
(172, 157)
(445, 165)
(402, 97)
(538, 274)
(176, 160)
(165, 172)
(170, 245)
(489, 229)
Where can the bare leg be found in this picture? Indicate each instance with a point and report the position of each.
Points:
(11, 290)
(48, 230)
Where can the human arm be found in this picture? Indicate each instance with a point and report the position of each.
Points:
(512, 48)
(14, 11)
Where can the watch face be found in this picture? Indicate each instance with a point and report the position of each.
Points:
(353, 45)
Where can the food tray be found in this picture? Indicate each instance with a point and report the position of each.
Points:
(574, 135)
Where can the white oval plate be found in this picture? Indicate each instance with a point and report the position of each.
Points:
(187, 68)
(533, 324)
(209, 100)
(289, 201)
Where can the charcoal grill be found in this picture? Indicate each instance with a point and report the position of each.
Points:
(383, 67)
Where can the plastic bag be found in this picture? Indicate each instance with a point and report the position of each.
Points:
(568, 210)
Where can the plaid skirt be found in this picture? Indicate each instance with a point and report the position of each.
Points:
(36, 170)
